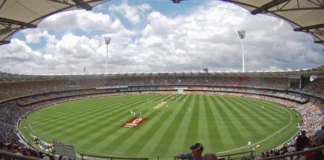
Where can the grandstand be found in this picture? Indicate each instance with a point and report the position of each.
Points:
(23, 94)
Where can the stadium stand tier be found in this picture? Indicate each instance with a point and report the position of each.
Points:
(20, 94)
(26, 93)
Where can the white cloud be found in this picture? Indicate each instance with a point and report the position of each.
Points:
(132, 13)
(17, 57)
(205, 37)
(152, 41)
(35, 36)
(85, 21)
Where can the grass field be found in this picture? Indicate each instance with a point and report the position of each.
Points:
(222, 124)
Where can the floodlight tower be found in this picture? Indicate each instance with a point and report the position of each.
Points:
(242, 36)
(107, 42)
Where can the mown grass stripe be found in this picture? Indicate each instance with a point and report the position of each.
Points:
(203, 136)
(168, 136)
(108, 123)
(146, 139)
(140, 139)
(100, 106)
(81, 108)
(187, 117)
(225, 114)
(76, 104)
(192, 131)
(57, 122)
(46, 117)
(94, 141)
(266, 112)
(247, 124)
(83, 117)
(94, 122)
(69, 125)
(173, 110)
(270, 118)
(149, 130)
(213, 129)
(99, 146)
(263, 122)
(179, 133)
(181, 97)
(271, 110)
(85, 108)
(234, 121)
(125, 136)
(271, 106)
(226, 139)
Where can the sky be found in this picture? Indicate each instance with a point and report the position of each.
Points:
(159, 36)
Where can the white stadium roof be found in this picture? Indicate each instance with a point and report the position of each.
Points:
(303, 15)
(16, 15)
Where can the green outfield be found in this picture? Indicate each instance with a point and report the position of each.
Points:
(222, 124)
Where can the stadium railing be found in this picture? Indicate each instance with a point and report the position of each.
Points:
(294, 155)
(8, 155)
(88, 156)
(239, 155)
(291, 156)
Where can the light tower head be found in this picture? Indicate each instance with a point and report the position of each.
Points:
(241, 33)
(107, 40)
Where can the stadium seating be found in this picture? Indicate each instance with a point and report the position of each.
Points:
(20, 97)
(16, 89)
(316, 87)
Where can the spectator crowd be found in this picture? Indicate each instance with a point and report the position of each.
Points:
(15, 89)
(312, 134)
(44, 93)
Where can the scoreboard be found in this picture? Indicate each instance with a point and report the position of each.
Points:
(298, 82)
(294, 82)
